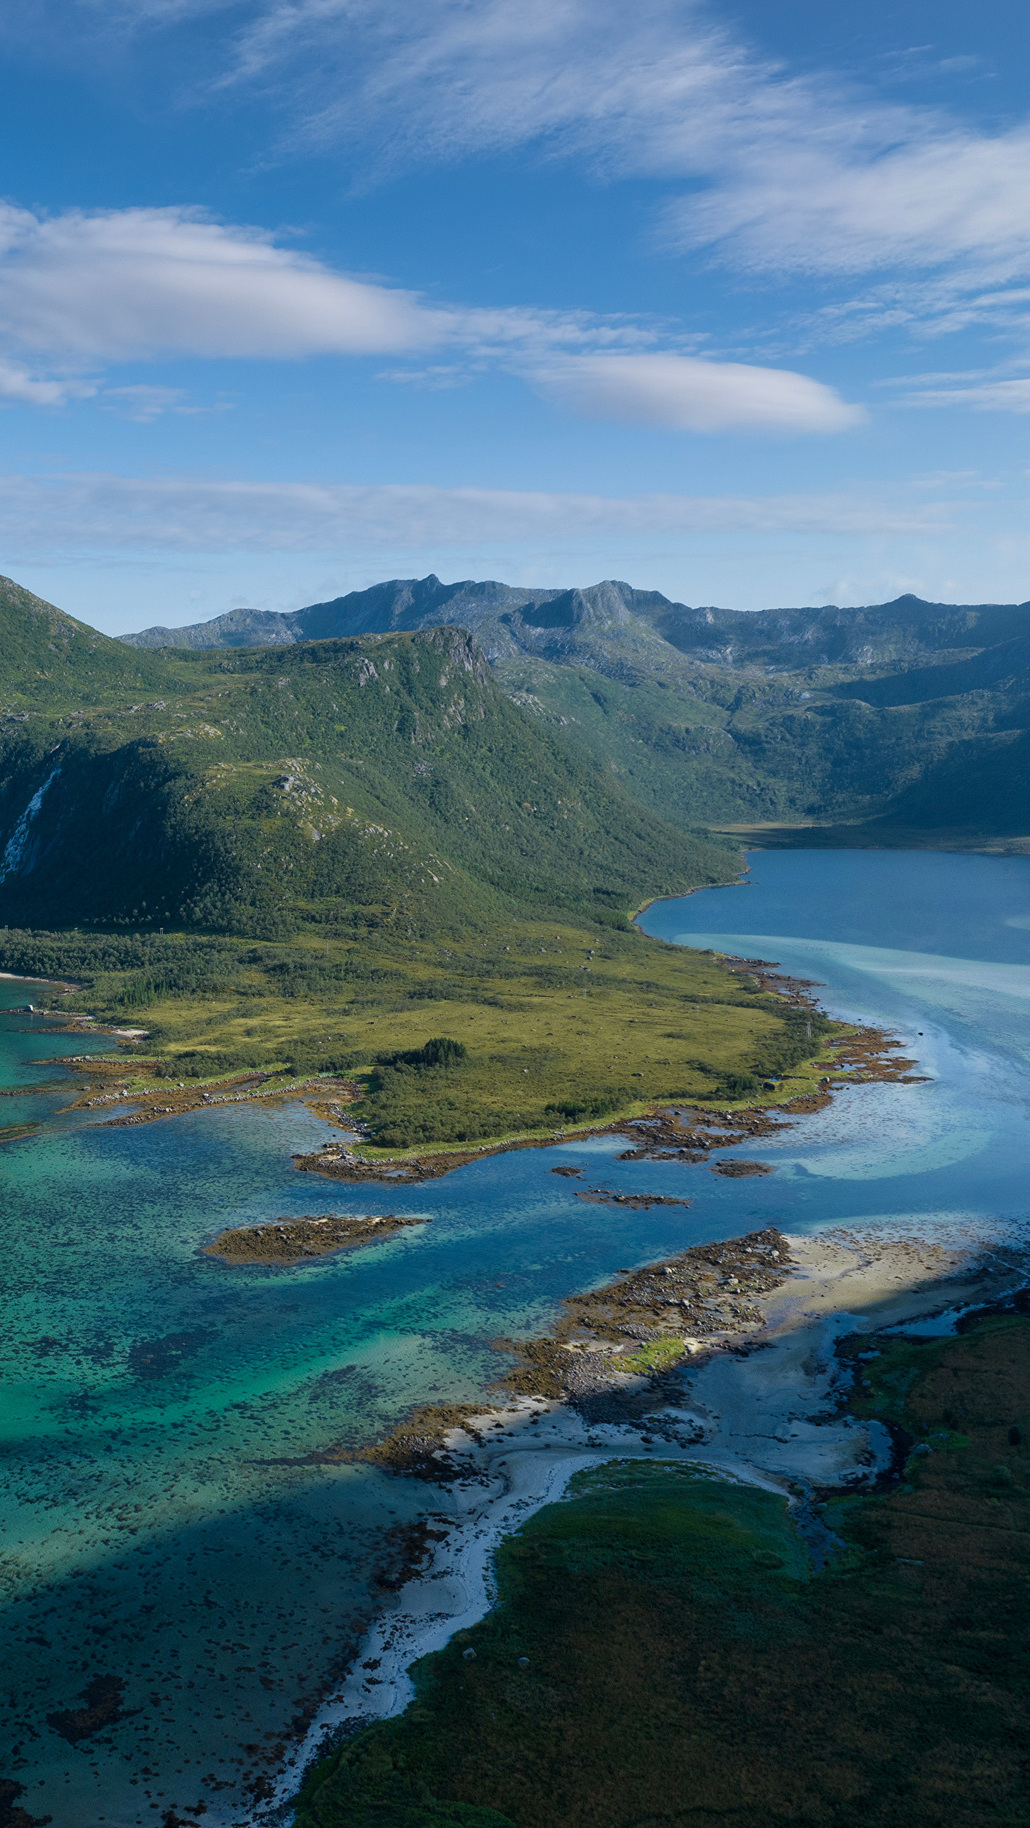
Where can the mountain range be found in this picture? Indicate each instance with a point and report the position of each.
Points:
(897, 718)
(621, 624)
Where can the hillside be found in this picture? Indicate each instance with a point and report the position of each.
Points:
(324, 857)
(48, 659)
(837, 717)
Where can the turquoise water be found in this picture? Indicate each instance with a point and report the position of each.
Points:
(163, 1522)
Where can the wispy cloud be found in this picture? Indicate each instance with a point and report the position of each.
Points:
(788, 173)
(800, 173)
(100, 512)
(941, 198)
(145, 403)
(1011, 396)
(1001, 388)
(19, 386)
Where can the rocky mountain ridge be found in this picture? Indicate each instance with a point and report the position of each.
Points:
(614, 627)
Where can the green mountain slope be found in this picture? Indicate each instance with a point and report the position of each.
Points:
(389, 774)
(48, 659)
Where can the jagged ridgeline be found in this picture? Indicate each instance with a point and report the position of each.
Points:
(378, 780)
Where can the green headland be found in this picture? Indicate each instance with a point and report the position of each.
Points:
(664, 1651)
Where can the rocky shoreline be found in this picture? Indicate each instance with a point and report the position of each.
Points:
(607, 1349)
(761, 1402)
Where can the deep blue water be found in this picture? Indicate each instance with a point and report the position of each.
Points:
(159, 1520)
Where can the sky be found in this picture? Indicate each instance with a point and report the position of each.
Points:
(729, 301)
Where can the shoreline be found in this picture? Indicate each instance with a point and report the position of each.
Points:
(764, 1408)
(18, 977)
(859, 1055)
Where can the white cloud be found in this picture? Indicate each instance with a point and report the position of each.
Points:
(24, 389)
(122, 285)
(108, 513)
(682, 393)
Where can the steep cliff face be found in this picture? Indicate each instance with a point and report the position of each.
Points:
(93, 834)
(385, 778)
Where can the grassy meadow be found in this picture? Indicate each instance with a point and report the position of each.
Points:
(561, 1023)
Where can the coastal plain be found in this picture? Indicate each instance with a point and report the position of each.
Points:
(557, 1033)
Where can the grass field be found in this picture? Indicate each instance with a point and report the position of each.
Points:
(562, 1024)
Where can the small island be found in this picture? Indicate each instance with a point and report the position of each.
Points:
(289, 1241)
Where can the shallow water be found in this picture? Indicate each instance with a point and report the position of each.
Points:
(952, 1151)
(160, 1523)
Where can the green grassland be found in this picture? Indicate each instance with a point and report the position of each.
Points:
(686, 1666)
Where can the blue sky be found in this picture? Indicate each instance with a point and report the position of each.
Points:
(729, 301)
